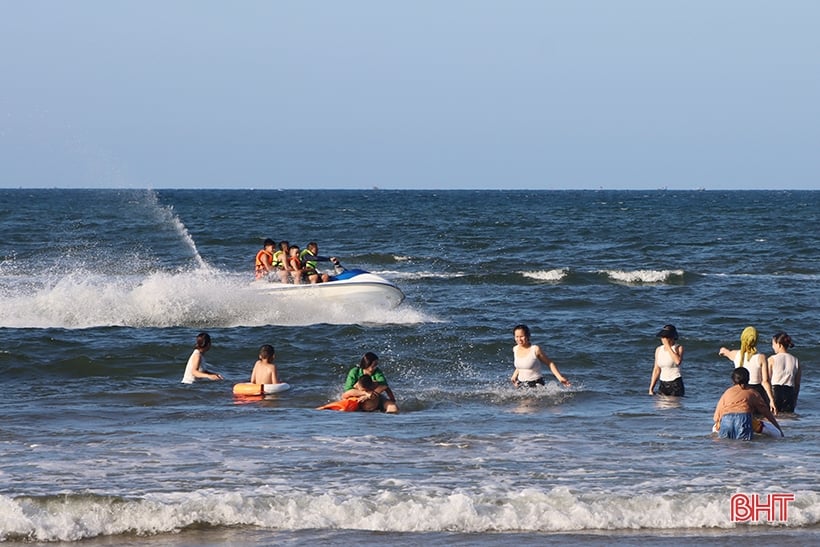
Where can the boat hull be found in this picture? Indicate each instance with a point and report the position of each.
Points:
(353, 287)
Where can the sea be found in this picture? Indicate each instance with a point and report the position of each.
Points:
(103, 292)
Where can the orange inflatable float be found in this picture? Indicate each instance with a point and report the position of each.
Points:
(248, 389)
(345, 405)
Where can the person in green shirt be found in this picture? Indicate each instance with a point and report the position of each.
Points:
(369, 366)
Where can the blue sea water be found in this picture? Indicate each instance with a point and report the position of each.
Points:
(102, 293)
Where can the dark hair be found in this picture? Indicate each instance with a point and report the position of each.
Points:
(203, 339)
(283, 244)
(525, 328)
(270, 242)
(740, 376)
(367, 382)
(368, 359)
(783, 339)
(266, 351)
(668, 331)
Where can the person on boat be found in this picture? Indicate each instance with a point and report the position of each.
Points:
(296, 270)
(734, 411)
(526, 361)
(264, 370)
(748, 357)
(280, 262)
(264, 259)
(668, 358)
(785, 373)
(362, 397)
(310, 257)
(195, 368)
(369, 365)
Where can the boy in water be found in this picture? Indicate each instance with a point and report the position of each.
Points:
(365, 392)
(264, 370)
(362, 396)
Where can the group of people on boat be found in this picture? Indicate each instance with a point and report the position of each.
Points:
(290, 264)
(365, 387)
(762, 387)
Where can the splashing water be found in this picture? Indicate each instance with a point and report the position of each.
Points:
(166, 213)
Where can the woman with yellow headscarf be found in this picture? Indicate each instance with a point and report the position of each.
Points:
(756, 363)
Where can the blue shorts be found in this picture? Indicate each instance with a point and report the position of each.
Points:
(736, 426)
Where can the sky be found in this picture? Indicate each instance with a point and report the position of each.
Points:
(471, 94)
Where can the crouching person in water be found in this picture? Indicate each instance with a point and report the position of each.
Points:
(733, 414)
(369, 366)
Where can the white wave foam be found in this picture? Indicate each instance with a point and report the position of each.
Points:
(642, 276)
(420, 275)
(547, 275)
(201, 298)
(392, 506)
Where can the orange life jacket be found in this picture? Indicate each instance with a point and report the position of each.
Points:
(261, 269)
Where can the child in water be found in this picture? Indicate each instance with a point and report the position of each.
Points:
(264, 370)
(362, 396)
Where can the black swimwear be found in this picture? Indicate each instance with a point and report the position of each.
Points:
(533, 383)
(784, 399)
(674, 388)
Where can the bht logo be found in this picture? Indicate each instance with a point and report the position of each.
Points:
(748, 507)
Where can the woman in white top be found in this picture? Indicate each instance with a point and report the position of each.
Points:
(785, 371)
(668, 358)
(527, 357)
(196, 362)
(748, 358)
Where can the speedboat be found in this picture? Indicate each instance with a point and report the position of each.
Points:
(349, 287)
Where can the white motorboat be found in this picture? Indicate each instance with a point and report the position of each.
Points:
(350, 287)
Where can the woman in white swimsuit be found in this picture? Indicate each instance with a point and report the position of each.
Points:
(527, 356)
(785, 373)
(196, 362)
(668, 358)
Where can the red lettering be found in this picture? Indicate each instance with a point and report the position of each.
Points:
(741, 508)
(746, 507)
(784, 500)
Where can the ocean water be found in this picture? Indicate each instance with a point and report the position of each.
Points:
(102, 293)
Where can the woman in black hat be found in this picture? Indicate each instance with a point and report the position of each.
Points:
(668, 358)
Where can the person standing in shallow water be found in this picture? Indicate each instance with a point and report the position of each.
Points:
(757, 365)
(526, 360)
(785, 373)
(668, 359)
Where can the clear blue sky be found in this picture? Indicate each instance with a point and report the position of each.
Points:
(412, 94)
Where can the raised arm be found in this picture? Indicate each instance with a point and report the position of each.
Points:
(728, 353)
(553, 367)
